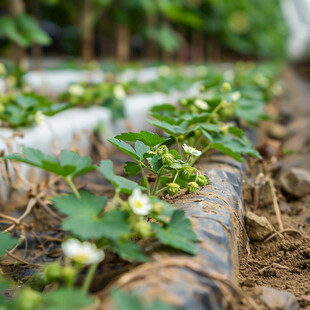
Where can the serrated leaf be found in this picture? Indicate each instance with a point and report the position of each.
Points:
(156, 163)
(129, 250)
(125, 147)
(176, 154)
(178, 233)
(7, 242)
(132, 168)
(84, 219)
(173, 130)
(70, 165)
(122, 184)
(141, 149)
(148, 138)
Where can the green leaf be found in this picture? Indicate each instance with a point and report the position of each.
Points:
(31, 31)
(7, 242)
(132, 168)
(122, 184)
(141, 149)
(176, 154)
(178, 233)
(148, 138)
(26, 102)
(156, 163)
(84, 219)
(70, 165)
(173, 130)
(66, 298)
(129, 250)
(233, 146)
(125, 147)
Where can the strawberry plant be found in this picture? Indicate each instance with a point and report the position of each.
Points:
(26, 109)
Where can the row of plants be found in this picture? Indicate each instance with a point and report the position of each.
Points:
(26, 108)
(165, 166)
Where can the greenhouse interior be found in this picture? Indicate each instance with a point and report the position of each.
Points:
(154, 154)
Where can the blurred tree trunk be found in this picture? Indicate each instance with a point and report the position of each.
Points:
(122, 42)
(197, 47)
(88, 21)
(16, 8)
(36, 49)
(151, 47)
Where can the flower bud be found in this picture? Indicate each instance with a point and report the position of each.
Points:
(187, 172)
(53, 272)
(143, 229)
(225, 87)
(162, 150)
(192, 187)
(157, 208)
(183, 102)
(173, 188)
(167, 159)
(69, 274)
(202, 180)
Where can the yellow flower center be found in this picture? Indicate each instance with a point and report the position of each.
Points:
(138, 204)
(81, 258)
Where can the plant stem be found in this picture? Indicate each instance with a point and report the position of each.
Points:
(202, 152)
(89, 277)
(215, 111)
(115, 199)
(161, 190)
(157, 181)
(160, 220)
(73, 188)
(175, 176)
(146, 181)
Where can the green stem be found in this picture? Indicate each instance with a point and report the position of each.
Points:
(146, 181)
(160, 220)
(157, 181)
(115, 199)
(215, 111)
(161, 190)
(73, 188)
(145, 166)
(175, 176)
(202, 152)
(89, 277)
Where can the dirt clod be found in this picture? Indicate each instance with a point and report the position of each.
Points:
(296, 182)
(258, 227)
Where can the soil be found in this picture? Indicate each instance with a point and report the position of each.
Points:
(283, 261)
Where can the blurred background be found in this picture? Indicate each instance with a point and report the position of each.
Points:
(152, 30)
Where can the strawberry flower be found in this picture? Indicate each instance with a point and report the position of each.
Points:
(139, 203)
(85, 253)
(191, 150)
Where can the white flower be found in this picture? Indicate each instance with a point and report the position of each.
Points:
(85, 253)
(2, 69)
(139, 203)
(191, 150)
(201, 104)
(119, 92)
(235, 95)
(40, 118)
(164, 71)
(76, 90)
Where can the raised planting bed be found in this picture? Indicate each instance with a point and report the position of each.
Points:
(183, 219)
